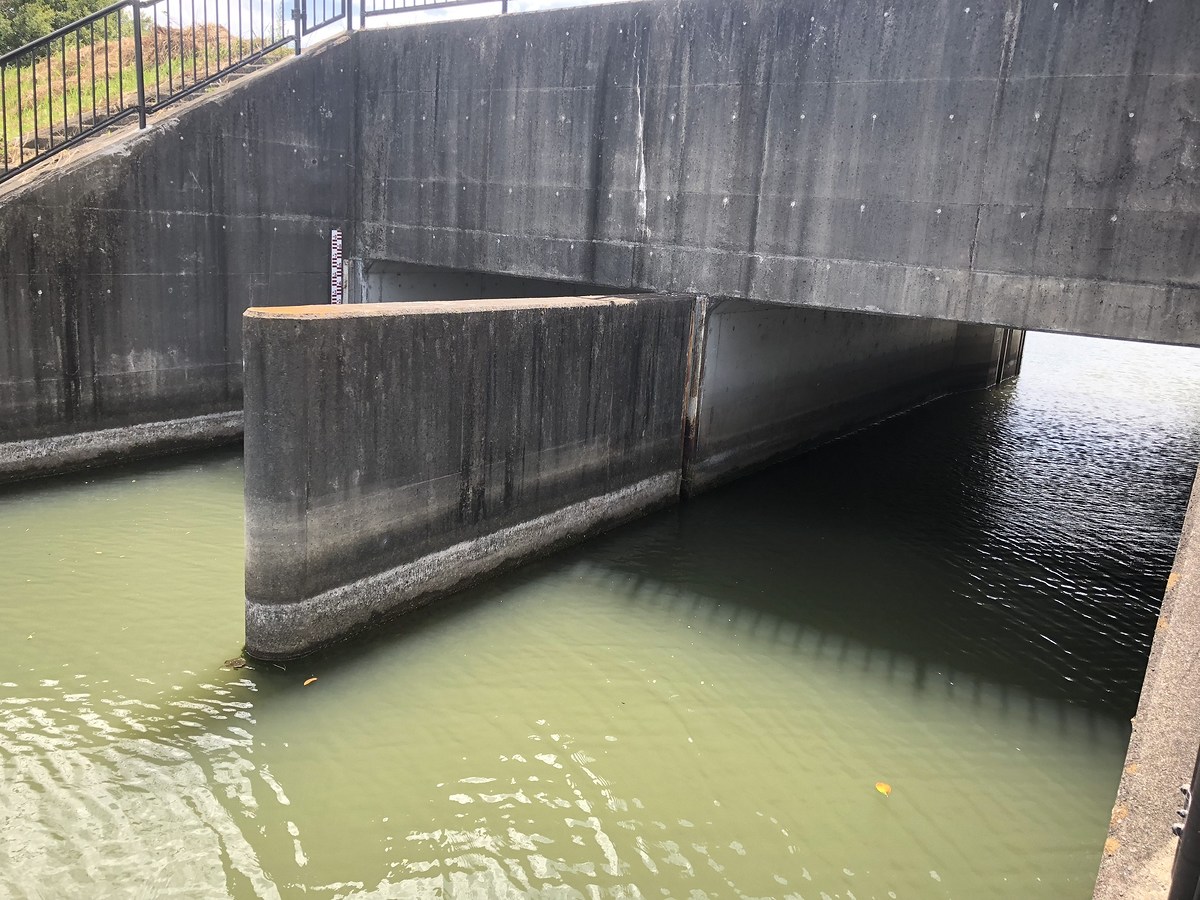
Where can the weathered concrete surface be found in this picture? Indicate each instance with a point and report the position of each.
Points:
(1008, 163)
(1162, 754)
(124, 273)
(776, 380)
(397, 451)
(1026, 164)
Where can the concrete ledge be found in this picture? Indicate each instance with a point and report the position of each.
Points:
(65, 453)
(284, 631)
(1140, 849)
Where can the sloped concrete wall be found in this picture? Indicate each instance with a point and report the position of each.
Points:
(124, 274)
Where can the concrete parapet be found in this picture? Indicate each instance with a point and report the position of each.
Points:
(1140, 850)
(395, 452)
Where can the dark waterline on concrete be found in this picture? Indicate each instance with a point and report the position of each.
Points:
(958, 602)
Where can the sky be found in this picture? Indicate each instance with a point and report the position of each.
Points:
(246, 17)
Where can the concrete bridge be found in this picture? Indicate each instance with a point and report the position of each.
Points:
(1007, 163)
(839, 208)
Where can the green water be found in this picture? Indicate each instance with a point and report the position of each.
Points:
(957, 603)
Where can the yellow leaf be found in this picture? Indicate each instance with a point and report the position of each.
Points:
(884, 788)
(310, 681)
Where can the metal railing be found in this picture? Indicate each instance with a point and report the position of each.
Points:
(136, 56)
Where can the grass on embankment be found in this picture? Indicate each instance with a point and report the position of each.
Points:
(99, 80)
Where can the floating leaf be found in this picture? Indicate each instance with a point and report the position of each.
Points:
(884, 788)
(309, 681)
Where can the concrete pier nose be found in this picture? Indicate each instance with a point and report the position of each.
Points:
(395, 452)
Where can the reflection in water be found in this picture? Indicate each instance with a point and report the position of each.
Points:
(958, 602)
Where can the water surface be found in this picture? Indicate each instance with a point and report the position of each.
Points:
(958, 603)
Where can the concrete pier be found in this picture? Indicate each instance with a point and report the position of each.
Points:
(396, 452)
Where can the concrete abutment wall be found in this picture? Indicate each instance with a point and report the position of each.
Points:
(124, 273)
(397, 452)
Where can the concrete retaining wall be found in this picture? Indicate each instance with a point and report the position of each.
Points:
(124, 275)
(1140, 851)
(398, 451)
(1011, 163)
(776, 380)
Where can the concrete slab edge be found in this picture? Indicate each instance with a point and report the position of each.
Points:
(65, 453)
(1140, 848)
(289, 630)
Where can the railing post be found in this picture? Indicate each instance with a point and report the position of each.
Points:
(503, 6)
(349, 15)
(136, 6)
(297, 18)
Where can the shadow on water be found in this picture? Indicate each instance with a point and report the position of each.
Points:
(969, 537)
(924, 537)
(920, 539)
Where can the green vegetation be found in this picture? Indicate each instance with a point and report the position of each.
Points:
(22, 21)
(78, 82)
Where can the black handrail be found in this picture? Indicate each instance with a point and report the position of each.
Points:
(66, 29)
(74, 82)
